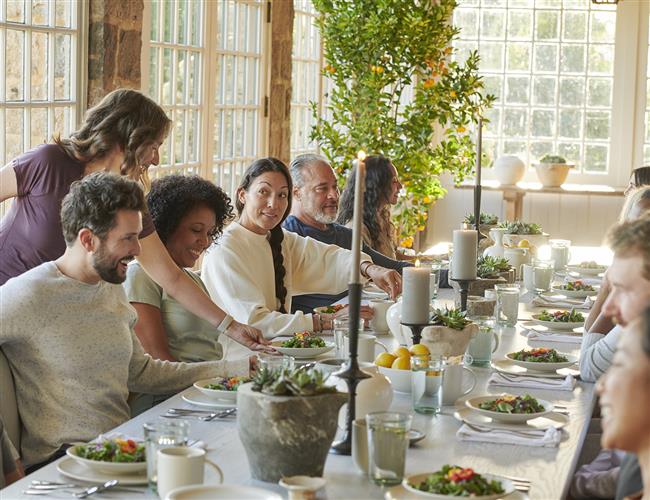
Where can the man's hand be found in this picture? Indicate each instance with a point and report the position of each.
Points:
(249, 337)
(366, 313)
(388, 280)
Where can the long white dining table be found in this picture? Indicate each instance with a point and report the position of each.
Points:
(548, 469)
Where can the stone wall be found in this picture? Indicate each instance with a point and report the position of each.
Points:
(114, 45)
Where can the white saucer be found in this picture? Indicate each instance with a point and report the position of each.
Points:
(194, 397)
(557, 420)
(73, 469)
(225, 491)
(508, 367)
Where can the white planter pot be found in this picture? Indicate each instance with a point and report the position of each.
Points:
(509, 170)
(535, 240)
(496, 250)
(552, 174)
(373, 394)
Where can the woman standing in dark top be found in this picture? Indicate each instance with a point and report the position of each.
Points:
(122, 134)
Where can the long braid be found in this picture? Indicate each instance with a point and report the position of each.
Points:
(275, 240)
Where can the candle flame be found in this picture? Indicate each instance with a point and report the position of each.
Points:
(417, 262)
(361, 155)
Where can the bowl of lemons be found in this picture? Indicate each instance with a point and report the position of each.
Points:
(396, 365)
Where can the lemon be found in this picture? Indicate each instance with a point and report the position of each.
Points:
(419, 350)
(385, 359)
(402, 363)
(401, 352)
(524, 243)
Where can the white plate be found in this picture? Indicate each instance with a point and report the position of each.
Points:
(214, 394)
(557, 420)
(507, 486)
(544, 367)
(574, 294)
(587, 271)
(107, 467)
(506, 417)
(222, 491)
(557, 325)
(71, 468)
(323, 309)
(374, 292)
(195, 397)
(509, 368)
(400, 493)
(302, 352)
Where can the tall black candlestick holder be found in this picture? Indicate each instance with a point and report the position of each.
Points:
(351, 372)
(416, 330)
(463, 285)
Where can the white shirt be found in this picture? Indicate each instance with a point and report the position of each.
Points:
(596, 353)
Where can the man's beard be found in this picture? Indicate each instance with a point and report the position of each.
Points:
(324, 218)
(107, 268)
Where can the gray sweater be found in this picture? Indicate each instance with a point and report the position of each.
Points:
(74, 357)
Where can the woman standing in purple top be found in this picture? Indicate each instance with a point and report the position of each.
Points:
(121, 134)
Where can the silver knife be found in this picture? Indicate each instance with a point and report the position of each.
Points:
(97, 489)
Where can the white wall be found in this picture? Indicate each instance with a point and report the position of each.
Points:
(582, 219)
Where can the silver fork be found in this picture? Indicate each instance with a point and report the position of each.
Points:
(210, 418)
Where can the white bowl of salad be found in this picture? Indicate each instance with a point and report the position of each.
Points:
(588, 268)
(223, 388)
(542, 359)
(509, 408)
(303, 345)
(111, 456)
(559, 320)
(454, 481)
(577, 289)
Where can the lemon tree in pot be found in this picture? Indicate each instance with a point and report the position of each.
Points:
(450, 333)
(552, 170)
(287, 420)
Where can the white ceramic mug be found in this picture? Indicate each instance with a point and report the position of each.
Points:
(360, 445)
(452, 383)
(380, 307)
(182, 466)
(366, 347)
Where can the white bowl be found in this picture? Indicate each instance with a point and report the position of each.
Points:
(507, 486)
(399, 379)
(323, 309)
(107, 467)
(575, 294)
(201, 492)
(544, 367)
(557, 325)
(587, 271)
(302, 352)
(215, 393)
(517, 418)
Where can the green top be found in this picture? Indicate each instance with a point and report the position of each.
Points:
(190, 337)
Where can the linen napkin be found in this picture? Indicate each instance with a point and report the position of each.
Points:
(548, 438)
(557, 301)
(550, 336)
(530, 382)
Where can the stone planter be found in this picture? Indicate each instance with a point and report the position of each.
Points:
(445, 341)
(510, 275)
(477, 287)
(286, 435)
(552, 174)
(480, 306)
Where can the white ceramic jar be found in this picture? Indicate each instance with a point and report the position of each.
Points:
(497, 249)
(509, 170)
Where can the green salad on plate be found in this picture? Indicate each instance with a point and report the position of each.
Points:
(457, 481)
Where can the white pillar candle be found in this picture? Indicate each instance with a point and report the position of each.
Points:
(463, 262)
(415, 290)
(357, 218)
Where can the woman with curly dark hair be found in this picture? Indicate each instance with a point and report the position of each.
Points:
(257, 266)
(382, 189)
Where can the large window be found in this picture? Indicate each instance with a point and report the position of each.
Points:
(205, 65)
(41, 85)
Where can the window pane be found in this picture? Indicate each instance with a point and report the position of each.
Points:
(14, 133)
(62, 66)
(15, 10)
(40, 12)
(62, 13)
(38, 128)
(39, 66)
(14, 76)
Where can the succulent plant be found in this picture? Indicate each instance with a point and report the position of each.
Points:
(518, 227)
(488, 219)
(451, 318)
(286, 382)
(489, 267)
(552, 159)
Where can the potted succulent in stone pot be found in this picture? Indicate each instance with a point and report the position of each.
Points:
(552, 170)
(524, 235)
(490, 271)
(450, 333)
(287, 420)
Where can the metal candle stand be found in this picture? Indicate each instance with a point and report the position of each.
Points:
(351, 373)
(463, 285)
(416, 330)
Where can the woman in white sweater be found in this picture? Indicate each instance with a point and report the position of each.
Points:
(256, 266)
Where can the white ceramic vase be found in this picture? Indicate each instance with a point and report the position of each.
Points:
(509, 170)
(373, 394)
(393, 318)
(497, 249)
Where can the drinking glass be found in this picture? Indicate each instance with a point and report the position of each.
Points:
(426, 384)
(434, 280)
(158, 435)
(387, 445)
(483, 343)
(274, 361)
(507, 306)
(341, 327)
(543, 270)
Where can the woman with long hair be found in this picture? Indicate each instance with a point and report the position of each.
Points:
(121, 134)
(381, 192)
(640, 177)
(256, 266)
